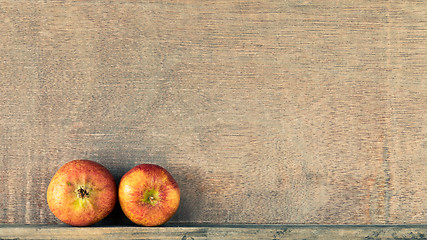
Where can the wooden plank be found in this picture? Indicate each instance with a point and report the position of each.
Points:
(215, 232)
(265, 111)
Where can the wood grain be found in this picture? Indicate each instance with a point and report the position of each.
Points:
(264, 111)
(275, 232)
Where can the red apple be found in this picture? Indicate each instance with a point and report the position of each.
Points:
(81, 193)
(149, 195)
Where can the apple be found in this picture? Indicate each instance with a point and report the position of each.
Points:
(81, 193)
(148, 195)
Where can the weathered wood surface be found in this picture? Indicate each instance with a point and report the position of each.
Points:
(259, 232)
(265, 111)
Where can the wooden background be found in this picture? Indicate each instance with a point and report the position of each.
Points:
(265, 111)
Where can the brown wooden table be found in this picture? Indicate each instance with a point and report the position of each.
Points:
(265, 111)
(187, 232)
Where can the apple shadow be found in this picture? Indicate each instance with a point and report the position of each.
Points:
(118, 163)
(190, 180)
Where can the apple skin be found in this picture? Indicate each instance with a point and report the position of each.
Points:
(148, 195)
(82, 193)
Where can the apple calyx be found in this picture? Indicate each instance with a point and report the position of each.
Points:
(151, 197)
(82, 192)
